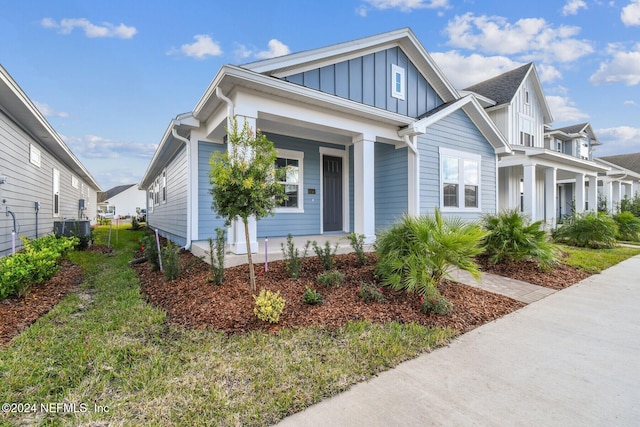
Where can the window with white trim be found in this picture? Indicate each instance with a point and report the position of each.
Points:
(164, 186)
(56, 192)
(34, 155)
(526, 132)
(289, 173)
(459, 180)
(397, 82)
(74, 182)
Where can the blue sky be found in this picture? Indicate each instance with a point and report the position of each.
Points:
(110, 75)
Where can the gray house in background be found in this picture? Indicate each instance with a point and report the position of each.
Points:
(369, 129)
(41, 181)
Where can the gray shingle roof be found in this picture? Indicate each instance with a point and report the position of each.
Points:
(627, 161)
(502, 88)
(106, 195)
(571, 129)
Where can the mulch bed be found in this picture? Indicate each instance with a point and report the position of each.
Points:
(559, 277)
(17, 314)
(190, 301)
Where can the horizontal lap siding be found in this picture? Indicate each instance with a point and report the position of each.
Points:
(307, 222)
(170, 218)
(208, 220)
(391, 192)
(28, 183)
(456, 132)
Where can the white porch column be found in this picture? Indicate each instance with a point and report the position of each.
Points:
(579, 193)
(607, 188)
(593, 193)
(551, 196)
(616, 196)
(529, 192)
(635, 188)
(413, 176)
(363, 180)
(237, 238)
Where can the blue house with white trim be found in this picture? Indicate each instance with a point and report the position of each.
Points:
(370, 129)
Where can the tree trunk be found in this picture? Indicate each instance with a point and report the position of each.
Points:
(252, 273)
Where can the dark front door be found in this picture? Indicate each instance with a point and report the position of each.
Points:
(332, 193)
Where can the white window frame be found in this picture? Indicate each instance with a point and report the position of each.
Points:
(398, 75)
(74, 182)
(526, 130)
(56, 192)
(35, 155)
(163, 186)
(526, 97)
(461, 156)
(299, 156)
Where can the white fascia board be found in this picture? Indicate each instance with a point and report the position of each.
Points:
(547, 158)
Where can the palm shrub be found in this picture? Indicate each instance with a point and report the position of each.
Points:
(628, 226)
(513, 238)
(416, 253)
(588, 230)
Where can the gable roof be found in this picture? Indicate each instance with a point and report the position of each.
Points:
(295, 63)
(572, 131)
(503, 88)
(106, 195)
(17, 105)
(626, 161)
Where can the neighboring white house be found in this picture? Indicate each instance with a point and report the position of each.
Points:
(618, 182)
(549, 172)
(41, 180)
(370, 129)
(122, 201)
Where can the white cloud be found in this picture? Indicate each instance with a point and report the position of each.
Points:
(533, 38)
(276, 48)
(96, 147)
(573, 6)
(630, 15)
(629, 102)
(618, 140)
(106, 29)
(403, 5)
(464, 71)
(203, 47)
(47, 111)
(624, 67)
(565, 110)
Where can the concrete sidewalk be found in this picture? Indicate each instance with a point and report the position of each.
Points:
(570, 359)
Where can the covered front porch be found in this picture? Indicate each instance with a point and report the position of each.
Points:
(547, 185)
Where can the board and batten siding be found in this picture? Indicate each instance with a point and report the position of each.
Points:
(367, 80)
(391, 184)
(28, 183)
(531, 110)
(208, 220)
(455, 132)
(299, 223)
(170, 217)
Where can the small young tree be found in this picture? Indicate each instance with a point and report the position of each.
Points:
(244, 182)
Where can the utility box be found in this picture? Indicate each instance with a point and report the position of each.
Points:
(72, 227)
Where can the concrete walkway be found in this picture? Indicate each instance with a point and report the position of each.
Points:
(571, 359)
(516, 289)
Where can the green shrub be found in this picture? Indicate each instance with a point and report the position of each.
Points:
(135, 224)
(631, 205)
(357, 244)
(269, 306)
(588, 230)
(511, 237)
(171, 261)
(416, 253)
(434, 302)
(370, 293)
(216, 257)
(292, 256)
(312, 297)
(326, 254)
(628, 226)
(150, 250)
(330, 278)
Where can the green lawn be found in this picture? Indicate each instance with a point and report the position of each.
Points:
(594, 261)
(111, 354)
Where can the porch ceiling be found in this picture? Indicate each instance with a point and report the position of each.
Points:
(551, 159)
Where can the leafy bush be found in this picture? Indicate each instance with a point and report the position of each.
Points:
(589, 230)
(216, 257)
(631, 205)
(135, 224)
(292, 256)
(326, 254)
(150, 249)
(330, 278)
(312, 297)
(434, 302)
(171, 257)
(35, 263)
(269, 306)
(511, 237)
(357, 244)
(628, 226)
(370, 293)
(416, 253)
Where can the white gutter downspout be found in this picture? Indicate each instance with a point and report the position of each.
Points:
(187, 143)
(230, 107)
